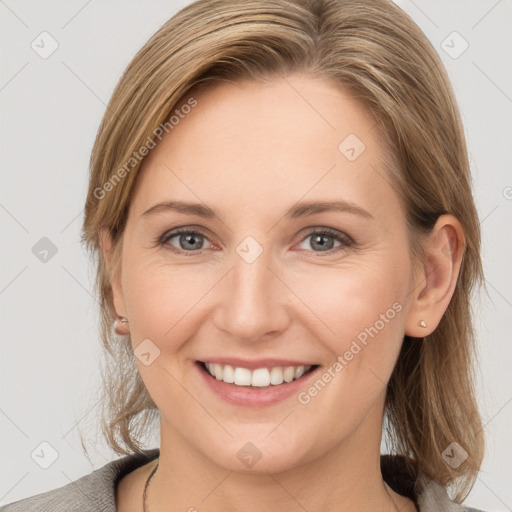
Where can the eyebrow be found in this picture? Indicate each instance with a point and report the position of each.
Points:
(302, 209)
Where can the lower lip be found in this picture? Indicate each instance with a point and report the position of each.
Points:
(248, 396)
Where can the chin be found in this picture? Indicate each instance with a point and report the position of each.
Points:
(259, 456)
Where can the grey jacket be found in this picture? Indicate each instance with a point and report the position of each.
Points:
(96, 492)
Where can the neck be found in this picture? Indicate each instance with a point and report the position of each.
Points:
(346, 478)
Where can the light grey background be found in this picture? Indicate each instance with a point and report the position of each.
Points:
(51, 109)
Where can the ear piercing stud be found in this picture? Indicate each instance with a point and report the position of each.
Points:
(121, 326)
(422, 323)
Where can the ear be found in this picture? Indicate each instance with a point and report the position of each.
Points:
(115, 274)
(437, 276)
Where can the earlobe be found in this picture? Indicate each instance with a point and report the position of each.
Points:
(436, 281)
(114, 273)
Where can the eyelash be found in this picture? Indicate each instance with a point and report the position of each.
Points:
(345, 240)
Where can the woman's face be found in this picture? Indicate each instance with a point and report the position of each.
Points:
(266, 282)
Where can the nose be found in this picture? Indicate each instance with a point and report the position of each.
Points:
(252, 300)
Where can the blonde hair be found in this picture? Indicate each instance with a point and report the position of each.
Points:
(373, 50)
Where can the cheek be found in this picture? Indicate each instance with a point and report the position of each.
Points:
(350, 299)
(164, 303)
(364, 307)
(359, 315)
(161, 298)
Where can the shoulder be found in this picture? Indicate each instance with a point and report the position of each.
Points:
(434, 497)
(428, 495)
(94, 492)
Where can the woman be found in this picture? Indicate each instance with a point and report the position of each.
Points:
(281, 209)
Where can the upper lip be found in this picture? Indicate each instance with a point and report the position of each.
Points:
(254, 364)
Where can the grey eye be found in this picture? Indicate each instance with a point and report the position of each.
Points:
(189, 241)
(321, 242)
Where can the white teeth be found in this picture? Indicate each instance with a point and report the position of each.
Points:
(261, 378)
(299, 372)
(242, 377)
(276, 376)
(289, 373)
(229, 374)
(218, 371)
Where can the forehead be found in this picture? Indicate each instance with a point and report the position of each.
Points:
(249, 146)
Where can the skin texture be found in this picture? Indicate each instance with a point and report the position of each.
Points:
(251, 151)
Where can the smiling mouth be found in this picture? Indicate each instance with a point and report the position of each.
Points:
(258, 378)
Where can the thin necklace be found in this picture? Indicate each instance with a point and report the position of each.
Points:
(145, 495)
